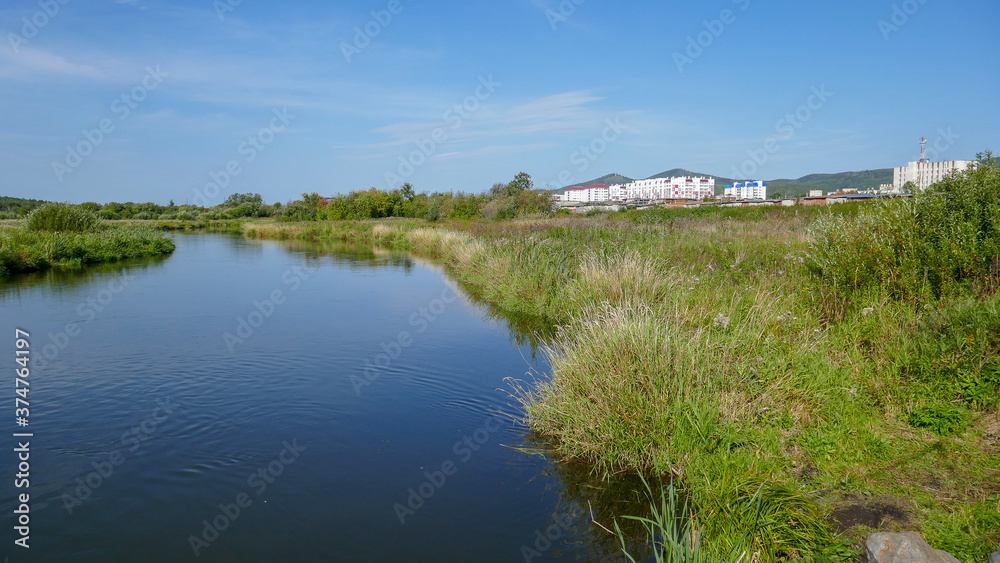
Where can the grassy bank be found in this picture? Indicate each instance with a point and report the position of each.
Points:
(25, 246)
(704, 345)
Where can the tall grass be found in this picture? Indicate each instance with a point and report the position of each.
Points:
(62, 217)
(22, 250)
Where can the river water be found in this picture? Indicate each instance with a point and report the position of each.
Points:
(264, 401)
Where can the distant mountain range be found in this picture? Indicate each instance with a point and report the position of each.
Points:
(787, 187)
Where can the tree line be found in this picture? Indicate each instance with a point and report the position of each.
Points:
(502, 201)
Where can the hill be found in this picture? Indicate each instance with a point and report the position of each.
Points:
(832, 182)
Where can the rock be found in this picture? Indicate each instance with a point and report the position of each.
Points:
(904, 547)
(995, 557)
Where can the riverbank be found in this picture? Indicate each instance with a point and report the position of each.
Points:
(22, 250)
(701, 345)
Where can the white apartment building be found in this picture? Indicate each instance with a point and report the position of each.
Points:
(618, 192)
(586, 194)
(746, 190)
(679, 187)
(924, 173)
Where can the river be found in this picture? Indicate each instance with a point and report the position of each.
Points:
(266, 401)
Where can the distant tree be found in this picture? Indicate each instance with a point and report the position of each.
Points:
(434, 211)
(498, 189)
(521, 183)
(406, 191)
(234, 200)
(777, 195)
(312, 199)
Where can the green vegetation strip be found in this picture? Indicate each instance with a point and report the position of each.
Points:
(63, 235)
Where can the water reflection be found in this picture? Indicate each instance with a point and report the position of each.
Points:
(589, 505)
(595, 504)
(65, 279)
(523, 330)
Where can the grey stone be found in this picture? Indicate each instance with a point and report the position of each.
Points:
(904, 547)
(995, 557)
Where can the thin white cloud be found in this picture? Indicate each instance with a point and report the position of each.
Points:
(557, 113)
(494, 151)
(31, 64)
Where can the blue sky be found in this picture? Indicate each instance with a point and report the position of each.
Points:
(302, 96)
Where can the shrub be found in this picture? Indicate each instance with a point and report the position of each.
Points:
(507, 209)
(433, 212)
(928, 245)
(62, 217)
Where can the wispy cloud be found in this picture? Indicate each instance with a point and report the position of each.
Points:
(565, 112)
(32, 64)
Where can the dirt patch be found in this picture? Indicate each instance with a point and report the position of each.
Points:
(871, 513)
(991, 433)
(807, 474)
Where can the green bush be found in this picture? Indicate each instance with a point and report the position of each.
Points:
(507, 209)
(940, 240)
(433, 212)
(62, 217)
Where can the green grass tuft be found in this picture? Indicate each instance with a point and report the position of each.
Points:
(62, 217)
